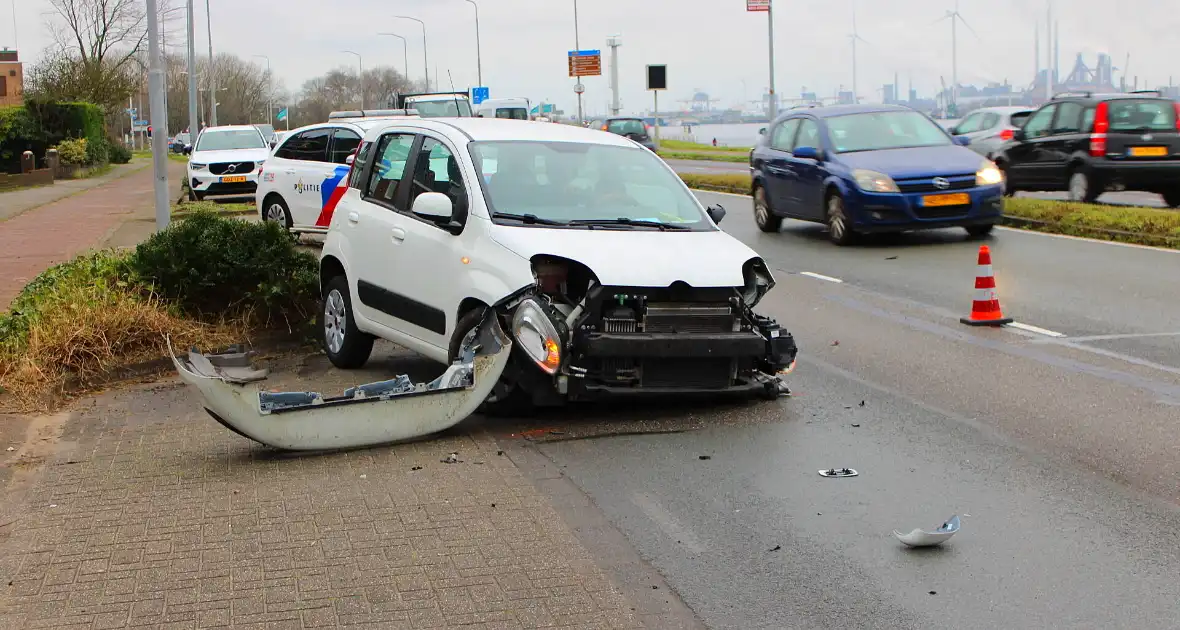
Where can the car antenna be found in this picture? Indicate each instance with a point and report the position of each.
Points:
(454, 94)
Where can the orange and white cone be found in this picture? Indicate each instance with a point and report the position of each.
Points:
(985, 309)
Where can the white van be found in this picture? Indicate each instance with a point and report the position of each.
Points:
(516, 108)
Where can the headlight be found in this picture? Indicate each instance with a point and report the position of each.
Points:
(758, 282)
(537, 336)
(989, 174)
(872, 181)
(196, 166)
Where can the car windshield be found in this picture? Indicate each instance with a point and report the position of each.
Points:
(1142, 114)
(230, 139)
(626, 126)
(875, 131)
(442, 108)
(573, 181)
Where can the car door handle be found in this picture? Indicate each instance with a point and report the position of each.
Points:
(354, 217)
(398, 234)
(290, 171)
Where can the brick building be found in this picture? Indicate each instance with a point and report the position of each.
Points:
(12, 78)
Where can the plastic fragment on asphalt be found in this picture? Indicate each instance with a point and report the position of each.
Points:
(453, 458)
(838, 472)
(776, 547)
(703, 457)
(927, 538)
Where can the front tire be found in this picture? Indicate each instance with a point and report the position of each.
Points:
(839, 231)
(766, 220)
(346, 346)
(508, 398)
(274, 208)
(980, 231)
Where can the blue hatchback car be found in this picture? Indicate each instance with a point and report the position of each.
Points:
(869, 169)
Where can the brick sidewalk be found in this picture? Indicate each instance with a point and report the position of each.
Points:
(14, 202)
(42, 237)
(150, 514)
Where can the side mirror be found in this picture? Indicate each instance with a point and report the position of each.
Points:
(1019, 135)
(350, 159)
(806, 153)
(954, 131)
(433, 205)
(762, 131)
(962, 141)
(716, 213)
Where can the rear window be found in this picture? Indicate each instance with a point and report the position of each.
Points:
(631, 125)
(515, 113)
(1142, 114)
(1019, 118)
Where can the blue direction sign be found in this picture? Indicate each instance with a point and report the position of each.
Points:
(479, 95)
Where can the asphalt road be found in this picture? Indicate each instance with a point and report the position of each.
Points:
(1061, 450)
(1117, 198)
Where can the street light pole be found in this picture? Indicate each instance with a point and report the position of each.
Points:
(425, 57)
(212, 79)
(770, 47)
(270, 115)
(577, 48)
(361, 76)
(478, 53)
(192, 76)
(405, 52)
(159, 119)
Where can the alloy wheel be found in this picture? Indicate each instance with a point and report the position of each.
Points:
(275, 213)
(335, 321)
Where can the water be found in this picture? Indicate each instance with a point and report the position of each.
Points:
(740, 135)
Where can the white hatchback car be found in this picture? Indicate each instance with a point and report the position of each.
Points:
(607, 272)
(226, 161)
(300, 185)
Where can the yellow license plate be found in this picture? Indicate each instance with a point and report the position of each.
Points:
(950, 199)
(1149, 151)
(233, 179)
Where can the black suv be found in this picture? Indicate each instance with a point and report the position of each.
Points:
(1088, 144)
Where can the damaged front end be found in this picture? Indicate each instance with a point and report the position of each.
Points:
(587, 339)
(375, 413)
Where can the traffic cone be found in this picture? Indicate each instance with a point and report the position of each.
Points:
(985, 309)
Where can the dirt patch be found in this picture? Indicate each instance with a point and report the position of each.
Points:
(34, 440)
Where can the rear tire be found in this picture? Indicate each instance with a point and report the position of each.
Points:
(346, 346)
(1081, 186)
(839, 231)
(274, 208)
(1172, 198)
(763, 217)
(507, 397)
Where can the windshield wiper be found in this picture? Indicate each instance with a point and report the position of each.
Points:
(625, 221)
(526, 218)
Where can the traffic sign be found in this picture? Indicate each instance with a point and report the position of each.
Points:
(579, 88)
(140, 124)
(585, 63)
(479, 95)
(757, 5)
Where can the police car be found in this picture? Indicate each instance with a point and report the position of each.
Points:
(301, 182)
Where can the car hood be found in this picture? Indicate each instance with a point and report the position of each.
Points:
(915, 162)
(236, 155)
(637, 257)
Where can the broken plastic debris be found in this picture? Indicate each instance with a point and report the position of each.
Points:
(838, 472)
(10, 449)
(364, 476)
(924, 538)
(450, 459)
(702, 457)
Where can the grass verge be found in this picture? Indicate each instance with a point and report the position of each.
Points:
(741, 158)
(1126, 224)
(187, 208)
(207, 280)
(681, 145)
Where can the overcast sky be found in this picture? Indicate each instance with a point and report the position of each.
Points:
(711, 45)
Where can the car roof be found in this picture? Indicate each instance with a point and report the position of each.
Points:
(231, 128)
(1006, 109)
(841, 110)
(505, 129)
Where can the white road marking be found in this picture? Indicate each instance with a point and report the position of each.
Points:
(667, 523)
(1124, 336)
(1035, 329)
(821, 277)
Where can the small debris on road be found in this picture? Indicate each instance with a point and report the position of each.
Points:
(500, 453)
(10, 449)
(52, 505)
(493, 505)
(836, 343)
(934, 592)
(891, 258)
(776, 547)
(364, 476)
(654, 587)
(838, 472)
(704, 457)
(856, 426)
(416, 468)
(862, 403)
(453, 458)
(924, 538)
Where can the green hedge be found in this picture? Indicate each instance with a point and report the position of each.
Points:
(38, 125)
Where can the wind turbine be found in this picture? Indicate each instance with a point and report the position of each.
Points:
(955, 17)
(854, 37)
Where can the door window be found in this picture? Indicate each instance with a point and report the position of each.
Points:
(1038, 125)
(1069, 118)
(344, 142)
(990, 120)
(310, 146)
(393, 151)
(784, 135)
(437, 170)
(808, 135)
(970, 124)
